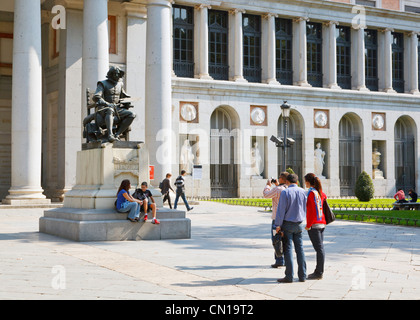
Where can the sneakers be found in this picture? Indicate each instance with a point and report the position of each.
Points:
(154, 220)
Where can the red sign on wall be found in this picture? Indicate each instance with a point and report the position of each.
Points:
(152, 172)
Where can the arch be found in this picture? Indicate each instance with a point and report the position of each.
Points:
(350, 152)
(224, 122)
(225, 111)
(294, 156)
(405, 153)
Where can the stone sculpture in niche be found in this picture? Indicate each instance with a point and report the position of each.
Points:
(187, 157)
(256, 161)
(319, 156)
(376, 161)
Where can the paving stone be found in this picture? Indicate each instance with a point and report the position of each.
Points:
(228, 257)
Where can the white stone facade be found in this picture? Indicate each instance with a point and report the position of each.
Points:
(139, 39)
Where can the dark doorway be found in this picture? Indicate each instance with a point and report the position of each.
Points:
(223, 146)
(349, 154)
(405, 176)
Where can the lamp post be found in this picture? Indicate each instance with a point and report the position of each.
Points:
(286, 142)
(285, 111)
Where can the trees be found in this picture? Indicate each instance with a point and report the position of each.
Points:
(364, 190)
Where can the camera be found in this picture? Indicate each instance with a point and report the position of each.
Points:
(276, 140)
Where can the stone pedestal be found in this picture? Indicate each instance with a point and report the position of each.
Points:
(89, 212)
(100, 170)
(378, 174)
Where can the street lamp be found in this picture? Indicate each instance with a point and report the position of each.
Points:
(286, 142)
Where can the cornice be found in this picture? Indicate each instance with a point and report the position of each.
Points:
(319, 11)
(264, 91)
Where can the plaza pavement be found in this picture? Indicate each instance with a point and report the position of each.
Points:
(228, 257)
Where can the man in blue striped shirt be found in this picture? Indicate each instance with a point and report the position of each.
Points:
(291, 212)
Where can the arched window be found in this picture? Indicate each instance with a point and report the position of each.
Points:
(404, 150)
(223, 148)
(349, 154)
(294, 153)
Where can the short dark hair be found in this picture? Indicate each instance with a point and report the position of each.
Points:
(144, 183)
(168, 175)
(292, 178)
(183, 171)
(284, 175)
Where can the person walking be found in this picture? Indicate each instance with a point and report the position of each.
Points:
(291, 212)
(165, 187)
(180, 191)
(315, 222)
(273, 193)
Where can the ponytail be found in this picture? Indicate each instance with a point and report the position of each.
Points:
(314, 181)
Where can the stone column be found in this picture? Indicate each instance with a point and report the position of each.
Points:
(300, 76)
(136, 64)
(330, 58)
(26, 106)
(95, 45)
(158, 109)
(269, 67)
(387, 61)
(70, 95)
(358, 59)
(414, 63)
(238, 69)
(203, 41)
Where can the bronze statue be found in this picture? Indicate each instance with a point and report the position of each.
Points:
(112, 117)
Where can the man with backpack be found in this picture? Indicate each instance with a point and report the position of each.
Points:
(165, 186)
(180, 190)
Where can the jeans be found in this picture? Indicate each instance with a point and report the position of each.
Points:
(279, 260)
(133, 209)
(317, 239)
(167, 196)
(293, 234)
(182, 195)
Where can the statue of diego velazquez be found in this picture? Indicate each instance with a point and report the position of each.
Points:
(112, 117)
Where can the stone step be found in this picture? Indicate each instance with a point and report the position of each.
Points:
(116, 230)
(109, 225)
(106, 214)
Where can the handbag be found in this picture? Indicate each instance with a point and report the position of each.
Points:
(279, 244)
(329, 215)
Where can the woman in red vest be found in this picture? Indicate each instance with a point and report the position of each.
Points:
(315, 221)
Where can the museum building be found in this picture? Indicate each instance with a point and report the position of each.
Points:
(208, 79)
